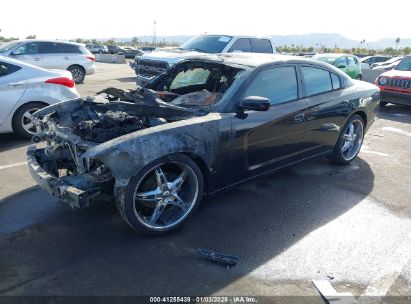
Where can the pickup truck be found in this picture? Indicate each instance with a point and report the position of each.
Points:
(149, 65)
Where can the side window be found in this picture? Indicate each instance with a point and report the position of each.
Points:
(316, 81)
(261, 46)
(241, 45)
(51, 48)
(27, 49)
(277, 84)
(190, 77)
(351, 60)
(70, 48)
(335, 81)
(6, 68)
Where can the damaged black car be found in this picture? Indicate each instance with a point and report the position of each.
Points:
(204, 125)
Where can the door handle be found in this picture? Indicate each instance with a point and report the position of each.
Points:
(15, 84)
(66, 58)
(299, 118)
(37, 59)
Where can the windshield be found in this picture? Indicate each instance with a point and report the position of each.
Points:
(8, 46)
(404, 65)
(207, 43)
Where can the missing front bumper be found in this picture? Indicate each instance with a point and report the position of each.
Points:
(56, 186)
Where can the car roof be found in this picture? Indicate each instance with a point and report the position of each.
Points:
(52, 41)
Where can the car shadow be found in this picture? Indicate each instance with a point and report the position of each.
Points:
(394, 112)
(10, 141)
(93, 252)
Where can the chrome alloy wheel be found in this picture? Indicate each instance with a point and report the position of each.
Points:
(27, 122)
(352, 140)
(165, 195)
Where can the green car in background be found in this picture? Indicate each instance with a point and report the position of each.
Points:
(349, 64)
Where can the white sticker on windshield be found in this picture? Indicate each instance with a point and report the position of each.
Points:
(224, 39)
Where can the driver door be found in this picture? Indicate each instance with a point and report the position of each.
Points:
(29, 53)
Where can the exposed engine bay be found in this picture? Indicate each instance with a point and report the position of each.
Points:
(191, 90)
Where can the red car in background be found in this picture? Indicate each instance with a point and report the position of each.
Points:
(395, 85)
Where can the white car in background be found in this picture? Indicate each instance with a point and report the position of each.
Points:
(70, 56)
(24, 89)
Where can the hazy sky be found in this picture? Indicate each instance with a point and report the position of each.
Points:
(357, 19)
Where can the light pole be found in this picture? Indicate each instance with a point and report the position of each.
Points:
(155, 34)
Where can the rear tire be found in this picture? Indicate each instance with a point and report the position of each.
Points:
(163, 195)
(78, 73)
(349, 142)
(21, 122)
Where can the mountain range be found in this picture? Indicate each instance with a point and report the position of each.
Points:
(314, 40)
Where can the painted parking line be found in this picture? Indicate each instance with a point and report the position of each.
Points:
(396, 130)
(374, 152)
(13, 165)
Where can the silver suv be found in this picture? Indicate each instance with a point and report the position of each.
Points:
(61, 55)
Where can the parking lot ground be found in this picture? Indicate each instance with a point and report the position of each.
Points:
(346, 224)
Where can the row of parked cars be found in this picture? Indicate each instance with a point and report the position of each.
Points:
(128, 52)
(29, 76)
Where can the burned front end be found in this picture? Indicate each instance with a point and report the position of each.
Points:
(70, 129)
(93, 147)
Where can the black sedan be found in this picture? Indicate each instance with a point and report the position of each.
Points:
(204, 125)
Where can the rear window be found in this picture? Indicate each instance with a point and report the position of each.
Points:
(261, 46)
(71, 48)
(51, 48)
(316, 81)
(278, 84)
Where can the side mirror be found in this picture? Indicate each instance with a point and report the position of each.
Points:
(341, 66)
(255, 103)
(16, 52)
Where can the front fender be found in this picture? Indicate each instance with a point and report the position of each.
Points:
(126, 155)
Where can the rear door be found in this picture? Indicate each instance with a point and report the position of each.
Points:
(272, 138)
(53, 55)
(12, 87)
(29, 53)
(327, 109)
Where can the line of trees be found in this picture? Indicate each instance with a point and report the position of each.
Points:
(300, 49)
(281, 49)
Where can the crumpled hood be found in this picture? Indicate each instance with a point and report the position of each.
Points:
(172, 56)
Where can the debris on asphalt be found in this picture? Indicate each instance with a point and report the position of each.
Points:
(330, 295)
(330, 277)
(217, 257)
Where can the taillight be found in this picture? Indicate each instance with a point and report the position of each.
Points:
(67, 82)
(92, 58)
